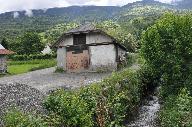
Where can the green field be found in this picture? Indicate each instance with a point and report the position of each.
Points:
(19, 67)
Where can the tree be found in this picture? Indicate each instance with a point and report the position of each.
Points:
(30, 43)
(122, 36)
(4, 43)
(50, 36)
(167, 48)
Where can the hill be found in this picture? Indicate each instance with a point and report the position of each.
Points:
(13, 24)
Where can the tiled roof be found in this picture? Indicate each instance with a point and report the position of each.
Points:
(5, 52)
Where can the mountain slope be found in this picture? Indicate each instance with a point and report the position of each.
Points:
(43, 20)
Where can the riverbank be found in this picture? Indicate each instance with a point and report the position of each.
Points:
(148, 112)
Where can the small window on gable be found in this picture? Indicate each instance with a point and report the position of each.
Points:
(79, 39)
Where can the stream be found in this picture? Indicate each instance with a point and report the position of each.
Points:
(147, 114)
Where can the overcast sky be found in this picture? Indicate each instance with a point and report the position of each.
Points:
(16, 5)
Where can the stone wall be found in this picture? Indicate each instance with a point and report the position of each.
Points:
(3, 64)
(61, 58)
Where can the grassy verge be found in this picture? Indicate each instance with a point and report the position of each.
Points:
(19, 67)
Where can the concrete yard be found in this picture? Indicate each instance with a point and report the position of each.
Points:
(46, 79)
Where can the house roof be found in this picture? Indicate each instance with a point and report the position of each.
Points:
(82, 29)
(4, 51)
(88, 28)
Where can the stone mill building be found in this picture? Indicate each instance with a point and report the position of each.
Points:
(88, 49)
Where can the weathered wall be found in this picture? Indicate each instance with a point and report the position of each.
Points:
(103, 57)
(61, 58)
(97, 38)
(68, 40)
(90, 39)
(3, 64)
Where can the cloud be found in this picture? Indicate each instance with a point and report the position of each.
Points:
(13, 5)
(18, 5)
(29, 13)
(15, 15)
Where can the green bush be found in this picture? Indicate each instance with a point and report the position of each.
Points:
(166, 47)
(31, 57)
(16, 118)
(177, 110)
(102, 104)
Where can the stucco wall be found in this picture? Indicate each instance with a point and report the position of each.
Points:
(97, 38)
(90, 39)
(103, 57)
(61, 58)
(68, 40)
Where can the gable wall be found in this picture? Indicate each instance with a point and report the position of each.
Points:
(68, 40)
(97, 38)
(91, 38)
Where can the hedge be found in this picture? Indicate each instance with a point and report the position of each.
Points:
(31, 57)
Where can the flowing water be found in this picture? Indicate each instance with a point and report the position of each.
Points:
(147, 116)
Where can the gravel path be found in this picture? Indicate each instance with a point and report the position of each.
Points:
(45, 80)
(21, 97)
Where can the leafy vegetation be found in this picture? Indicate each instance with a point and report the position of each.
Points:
(107, 103)
(103, 104)
(166, 47)
(177, 110)
(122, 36)
(32, 57)
(51, 23)
(15, 118)
(51, 36)
(29, 43)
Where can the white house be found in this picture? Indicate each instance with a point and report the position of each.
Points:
(88, 49)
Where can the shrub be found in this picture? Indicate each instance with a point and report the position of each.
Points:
(177, 110)
(16, 118)
(166, 47)
(104, 104)
(31, 57)
(71, 108)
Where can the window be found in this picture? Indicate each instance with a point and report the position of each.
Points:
(79, 39)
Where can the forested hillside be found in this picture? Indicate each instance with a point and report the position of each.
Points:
(133, 18)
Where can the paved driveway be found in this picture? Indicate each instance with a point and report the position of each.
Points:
(46, 79)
